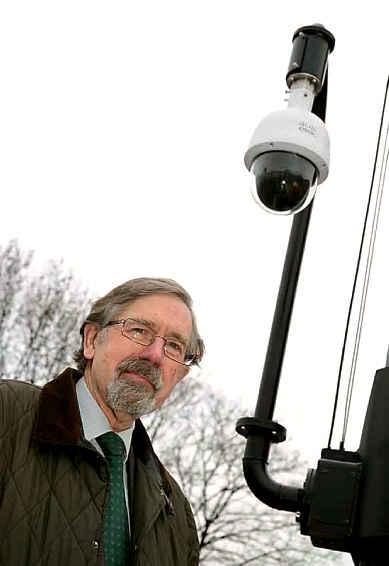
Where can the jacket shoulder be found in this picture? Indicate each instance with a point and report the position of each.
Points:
(16, 399)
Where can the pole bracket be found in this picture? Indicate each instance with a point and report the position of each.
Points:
(251, 425)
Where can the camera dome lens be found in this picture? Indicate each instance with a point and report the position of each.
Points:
(283, 182)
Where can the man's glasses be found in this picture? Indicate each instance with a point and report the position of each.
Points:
(144, 335)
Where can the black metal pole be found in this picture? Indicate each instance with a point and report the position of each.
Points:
(312, 45)
(282, 315)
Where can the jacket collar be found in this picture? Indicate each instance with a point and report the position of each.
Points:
(59, 422)
(58, 418)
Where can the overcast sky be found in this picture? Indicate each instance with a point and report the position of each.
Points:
(123, 129)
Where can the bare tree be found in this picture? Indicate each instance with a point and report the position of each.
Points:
(40, 313)
(194, 433)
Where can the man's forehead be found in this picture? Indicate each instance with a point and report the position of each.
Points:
(159, 309)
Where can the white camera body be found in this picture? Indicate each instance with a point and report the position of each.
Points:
(292, 130)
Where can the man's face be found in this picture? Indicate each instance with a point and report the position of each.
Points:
(126, 378)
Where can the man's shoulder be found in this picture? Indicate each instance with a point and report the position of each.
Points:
(19, 385)
(18, 393)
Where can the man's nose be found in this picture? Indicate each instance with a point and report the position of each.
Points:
(154, 352)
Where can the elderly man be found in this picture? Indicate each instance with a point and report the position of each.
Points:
(79, 480)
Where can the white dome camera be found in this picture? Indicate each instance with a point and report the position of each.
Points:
(288, 157)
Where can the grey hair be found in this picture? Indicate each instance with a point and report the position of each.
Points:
(110, 305)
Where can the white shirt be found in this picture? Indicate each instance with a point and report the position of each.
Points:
(95, 423)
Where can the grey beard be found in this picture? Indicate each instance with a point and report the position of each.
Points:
(134, 399)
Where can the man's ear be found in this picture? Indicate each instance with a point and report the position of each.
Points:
(90, 333)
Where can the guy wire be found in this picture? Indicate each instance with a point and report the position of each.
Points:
(366, 278)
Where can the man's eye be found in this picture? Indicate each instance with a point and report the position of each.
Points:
(175, 346)
(138, 330)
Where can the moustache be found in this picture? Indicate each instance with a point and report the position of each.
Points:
(151, 372)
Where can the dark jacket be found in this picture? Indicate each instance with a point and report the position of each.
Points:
(54, 487)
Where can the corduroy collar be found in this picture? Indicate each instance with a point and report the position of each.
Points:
(58, 418)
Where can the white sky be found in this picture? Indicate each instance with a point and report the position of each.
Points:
(123, 128)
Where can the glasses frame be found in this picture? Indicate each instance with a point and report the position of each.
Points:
(123, 321)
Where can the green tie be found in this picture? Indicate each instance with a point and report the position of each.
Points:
(117, 539)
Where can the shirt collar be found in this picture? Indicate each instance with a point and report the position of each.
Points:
(94, 422)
